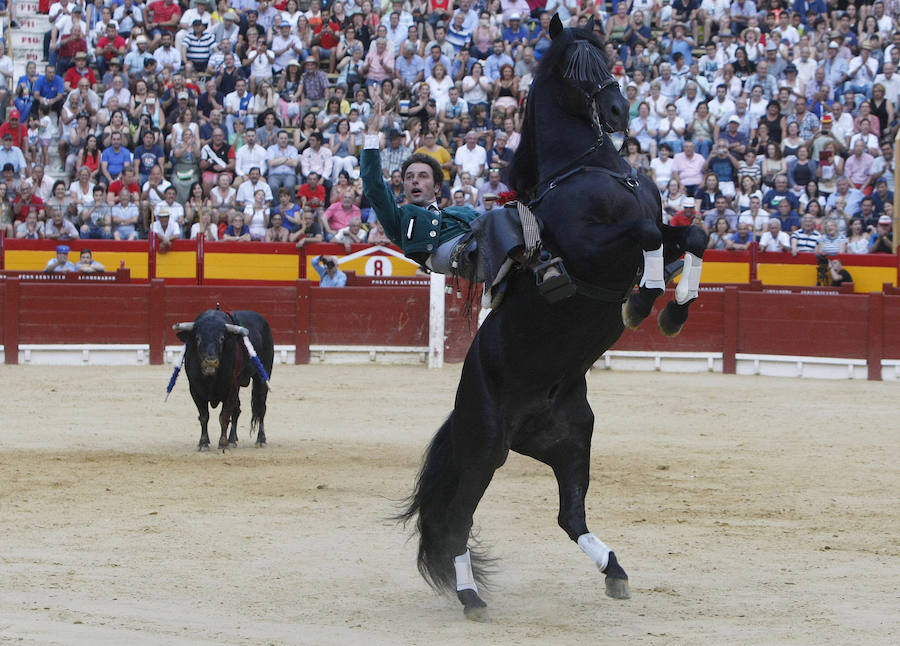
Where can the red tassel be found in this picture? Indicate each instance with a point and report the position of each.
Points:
(505, 196)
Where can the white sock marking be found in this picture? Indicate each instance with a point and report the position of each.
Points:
(654, 273)
(688, 286)
(465, 579)
(595, 548)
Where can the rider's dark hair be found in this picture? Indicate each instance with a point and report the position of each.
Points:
(421, 158)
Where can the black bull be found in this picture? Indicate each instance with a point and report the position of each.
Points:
(217, 365)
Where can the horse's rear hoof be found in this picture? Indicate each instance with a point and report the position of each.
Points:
(260, 445)
(671, 318)
(474, 608)
(617, 588)
(202, 447)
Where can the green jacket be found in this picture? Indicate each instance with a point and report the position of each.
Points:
(415, 229)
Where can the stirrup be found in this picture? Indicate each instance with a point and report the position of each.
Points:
(554, 288)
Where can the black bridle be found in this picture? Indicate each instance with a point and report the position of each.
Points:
(630, 180)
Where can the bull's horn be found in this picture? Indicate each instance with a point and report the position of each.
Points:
(183, 327)
(237, 329)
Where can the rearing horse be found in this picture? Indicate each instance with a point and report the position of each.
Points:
(523, 382)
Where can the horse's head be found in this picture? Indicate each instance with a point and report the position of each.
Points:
(586, 85)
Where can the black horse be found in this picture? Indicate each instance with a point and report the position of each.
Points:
(523, 382)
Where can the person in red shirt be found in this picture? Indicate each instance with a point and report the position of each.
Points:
(161, 15)
(312, 194)
(327, 36)
(18, 131)
(79, 71)
(26, 201)
(684, 217)
(109, 46)
(71, 45)
(126, 180)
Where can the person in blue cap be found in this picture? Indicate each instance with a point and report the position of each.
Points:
(61, 262)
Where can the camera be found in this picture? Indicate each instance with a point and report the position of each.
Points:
(823, 270)
(329, 263)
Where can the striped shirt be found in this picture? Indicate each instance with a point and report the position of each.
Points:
(198, 48)
(806, 241)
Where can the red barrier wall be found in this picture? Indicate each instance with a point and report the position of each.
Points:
(810, 322)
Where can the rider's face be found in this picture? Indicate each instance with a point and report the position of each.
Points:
(418, 184)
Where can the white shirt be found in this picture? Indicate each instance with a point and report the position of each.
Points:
(176, 212)
(769, 243)
(170, 56)
(247, 157)
(172, 230)
(471, 161)
(247, 189)
(153, 196)
(232, 102)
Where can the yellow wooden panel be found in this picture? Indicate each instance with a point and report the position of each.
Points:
(725, 272)
(871, 279)
(250, 266)
(176, 264)
(775, 274)
(134, 260)
(27, 260)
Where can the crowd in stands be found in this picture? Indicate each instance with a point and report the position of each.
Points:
(243, 120)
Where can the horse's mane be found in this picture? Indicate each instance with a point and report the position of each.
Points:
(575, 54)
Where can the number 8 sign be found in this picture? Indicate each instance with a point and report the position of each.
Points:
(378, 266)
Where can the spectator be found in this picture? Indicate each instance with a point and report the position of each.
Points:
(30, 229)
(247, 190)
(165, 230)
(882, 239)
(857, 239)
(741, 239)
(832, 241)
(329, 273)
(282, 160)
(775, 239)
(61, 262)
(805, 239)
(339, 215)
(87, 265)
(312, 192)
(125, 215)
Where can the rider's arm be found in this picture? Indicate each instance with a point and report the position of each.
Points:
(376, 190)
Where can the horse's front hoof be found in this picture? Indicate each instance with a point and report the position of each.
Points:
(232, 444)
(616, 579)
(630, 317)
(260, 445)
(202, 447)
(617, 588)
(474, 608)
(672, 318)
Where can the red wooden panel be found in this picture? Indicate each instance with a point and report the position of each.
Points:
(276, 304)
(83, 313)
(891, 342)
(364, 316)
(701, 333)
(2, 308)
(813, 325)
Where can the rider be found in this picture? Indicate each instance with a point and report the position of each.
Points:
(457, 239)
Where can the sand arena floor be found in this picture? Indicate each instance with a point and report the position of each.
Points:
(745, 510)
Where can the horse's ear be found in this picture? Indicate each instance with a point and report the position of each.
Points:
(556, 26)
(590, 24)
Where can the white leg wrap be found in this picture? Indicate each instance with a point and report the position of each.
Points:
(653, 277)
(689, 285)
(465, 580)
(595, 548)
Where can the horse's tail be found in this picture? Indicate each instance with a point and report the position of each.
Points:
(430, 500)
